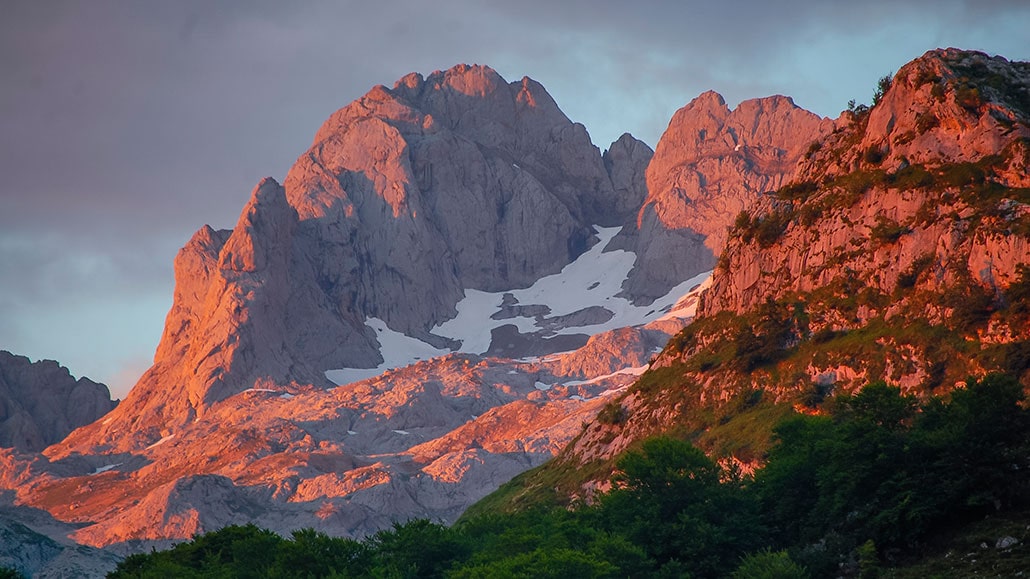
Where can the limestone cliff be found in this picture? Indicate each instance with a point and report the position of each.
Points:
(900, 252)
(710, 164)
(935, 173)
(41, 402)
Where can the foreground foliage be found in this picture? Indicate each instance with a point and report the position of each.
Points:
(850, 493)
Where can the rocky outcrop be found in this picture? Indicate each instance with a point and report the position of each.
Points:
(427, 440)
(626, 161)
(900, 251)
(455, 181)
(41, 402)
(710, 164)
(948, 106)
(28, 545)
(925, 189)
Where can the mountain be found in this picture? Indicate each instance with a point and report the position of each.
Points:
(447, 285)
(898, 251)
(453, 285)
(41, 402)
(711, 164)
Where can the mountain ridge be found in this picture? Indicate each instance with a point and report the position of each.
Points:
(403, 213)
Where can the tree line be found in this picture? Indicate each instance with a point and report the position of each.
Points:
(839, 494)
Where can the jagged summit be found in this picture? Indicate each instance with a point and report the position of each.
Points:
(947, 106)
(408, 199)
(41, 402)
(710, 164)
(940, 163)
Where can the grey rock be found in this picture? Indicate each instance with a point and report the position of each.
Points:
(41, 402)
(1006, 542)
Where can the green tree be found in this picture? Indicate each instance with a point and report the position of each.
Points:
(418, 548)
(882, 86)
(768, 564)
(672, 501)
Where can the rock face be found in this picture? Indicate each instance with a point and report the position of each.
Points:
(934, 176)
(40, 402)
(899, 252)
(711, 164)
(27, 545)
(445, 239)
(437, 186)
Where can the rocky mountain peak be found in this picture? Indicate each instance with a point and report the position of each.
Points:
(626, 161)
(41, 402)
(261, 238)
(948, 106)
(710, 164)
(926, 189)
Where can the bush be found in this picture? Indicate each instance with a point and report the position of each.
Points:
(768, 564)
(882, 86)
(968, 97)
(770, 227)
(612, 414)
(887, 230)
(926, 120)
(910, 277)
(873, 155)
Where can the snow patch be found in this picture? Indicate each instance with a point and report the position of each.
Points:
(402, 432)
(686, 306)
(635, 371)
(162, 441)
(105, 468)
(593, 280)
(397, 349)
(541, 386)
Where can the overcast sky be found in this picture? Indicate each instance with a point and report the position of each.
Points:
(127, 125)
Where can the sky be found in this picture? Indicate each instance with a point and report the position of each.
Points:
(128, 125)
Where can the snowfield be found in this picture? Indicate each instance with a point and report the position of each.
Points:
(592, 281)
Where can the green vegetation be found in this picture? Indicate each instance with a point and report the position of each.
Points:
(887, 231)
(846, 493)
(882, 86)
(612, 414)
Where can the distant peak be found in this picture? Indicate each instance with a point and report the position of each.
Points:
(472, 80)
(708, 100)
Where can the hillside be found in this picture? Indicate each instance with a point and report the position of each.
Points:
(898, 252)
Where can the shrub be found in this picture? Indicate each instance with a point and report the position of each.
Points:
(768, 564)
(968, 97)
(612, 414)
(926, 121)
(795, 191)
(911, 177)
(887, 230)
(882, 86)
(910, 276)
(873, 155)
(1017, 295)
(770, 227)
